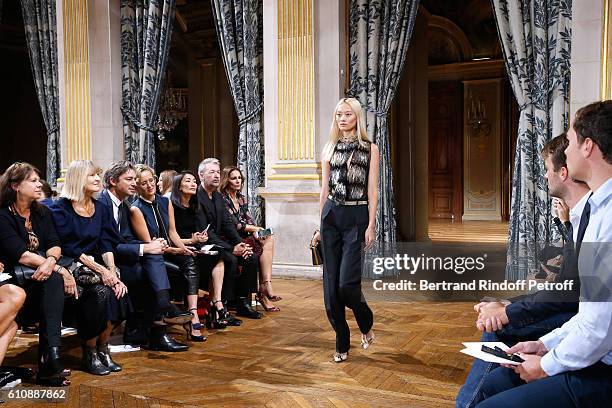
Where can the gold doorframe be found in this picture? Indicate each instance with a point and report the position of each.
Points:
(606, 53)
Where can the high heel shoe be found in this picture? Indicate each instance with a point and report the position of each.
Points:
(340, 357)
(367, 340)
(214, 317)
(259, 297)
(190, 327)
(266, 292)
(50, 370)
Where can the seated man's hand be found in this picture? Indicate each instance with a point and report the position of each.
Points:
(531, 369)
(492, 316)
(529, 347)
(155, 247)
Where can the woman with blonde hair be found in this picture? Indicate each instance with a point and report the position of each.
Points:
(232, 181)
(164, 184)
(88, 234)
(153, 217)
(348, 202)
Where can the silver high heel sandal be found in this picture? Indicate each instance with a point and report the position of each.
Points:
(340, 357)
(366, 341)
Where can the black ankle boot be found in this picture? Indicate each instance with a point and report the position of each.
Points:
(105, 357)
(50, 369)
(91, 363)
(244, 309)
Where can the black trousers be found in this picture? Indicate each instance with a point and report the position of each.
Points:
(342, 233)
(45, 304)
(239, 284)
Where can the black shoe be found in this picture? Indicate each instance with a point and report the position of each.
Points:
(229, 318)
(51, 372)
(161, 341)
(176, 316)
(214, 317)
(106, 359)
(189, 327)
(8, 380)
(91, 363)
(19, 372)
(244, 309)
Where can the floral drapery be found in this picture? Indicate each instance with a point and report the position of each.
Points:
(146, 29)
(39, 17)
(240, 34)
(379, 35)
(536, 40)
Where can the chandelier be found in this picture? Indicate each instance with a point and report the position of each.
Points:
(172, 109)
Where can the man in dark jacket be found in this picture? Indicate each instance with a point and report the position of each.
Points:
(530, 316)
(141, 262)
(237, 287)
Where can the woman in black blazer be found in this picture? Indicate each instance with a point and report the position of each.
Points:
(28, 237)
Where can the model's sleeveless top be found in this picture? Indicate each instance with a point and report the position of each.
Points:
(349, 168)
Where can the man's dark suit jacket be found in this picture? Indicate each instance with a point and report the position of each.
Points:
(540, 305)
(128, 251)
(222, 231)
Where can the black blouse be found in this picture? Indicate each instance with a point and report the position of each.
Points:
(185, 221)
(14, 237)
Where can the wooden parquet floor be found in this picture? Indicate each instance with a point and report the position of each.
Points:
(284, 360)
(468, 231)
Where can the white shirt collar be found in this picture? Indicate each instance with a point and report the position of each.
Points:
(114, 199)
(576, 210)
(602, 194)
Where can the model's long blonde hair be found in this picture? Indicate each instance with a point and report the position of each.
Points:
(76, 179)
(335, 133)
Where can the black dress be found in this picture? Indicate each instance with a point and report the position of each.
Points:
(45, 299)
(91, 236)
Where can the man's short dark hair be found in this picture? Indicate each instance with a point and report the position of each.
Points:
(115, 170)
(555, 149)
(595, 122)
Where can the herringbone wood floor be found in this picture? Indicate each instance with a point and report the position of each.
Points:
(284, 360)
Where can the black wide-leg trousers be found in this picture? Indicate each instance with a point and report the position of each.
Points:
(342, 233)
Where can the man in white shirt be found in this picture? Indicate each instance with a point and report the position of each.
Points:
(572, 365)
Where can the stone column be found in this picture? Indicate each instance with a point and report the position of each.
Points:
(89, 69)
(305, 39)
(587, 51)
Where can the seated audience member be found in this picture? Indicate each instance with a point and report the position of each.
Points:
(531, 316)
(152, 218)
(572, 365)
(185, 203)
(88, 235)
(237, 287)
(141, 264)
(48, 194)
(28, 238)
(238, 208)
(11, 300)
(164, 184)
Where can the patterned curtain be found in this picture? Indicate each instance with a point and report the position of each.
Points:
(536, 39)
(39, 18)
(240, 33)
(146, 29)
(379, 35)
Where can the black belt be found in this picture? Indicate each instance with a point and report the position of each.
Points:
(340, 202)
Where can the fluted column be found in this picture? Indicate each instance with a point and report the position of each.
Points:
(89, 70)
(305, 39)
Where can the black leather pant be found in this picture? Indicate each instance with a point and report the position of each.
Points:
(342, 233)
(189, 270)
